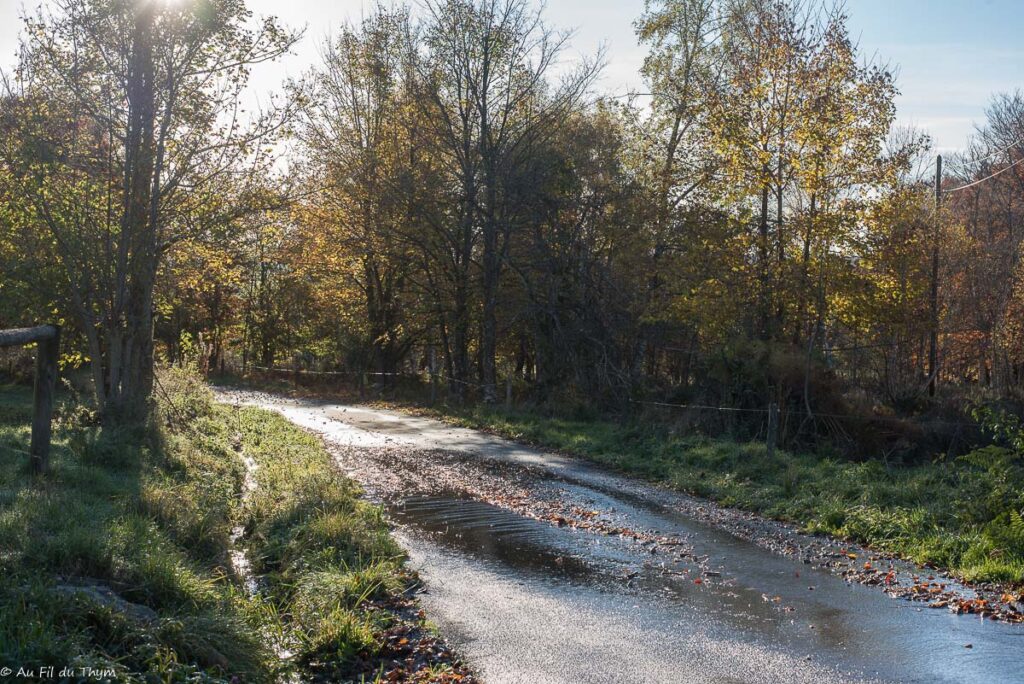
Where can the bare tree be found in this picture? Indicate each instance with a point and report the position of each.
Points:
(490, 63)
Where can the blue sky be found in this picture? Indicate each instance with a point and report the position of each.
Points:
(952, 54)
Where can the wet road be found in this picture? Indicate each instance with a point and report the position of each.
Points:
(541, 568)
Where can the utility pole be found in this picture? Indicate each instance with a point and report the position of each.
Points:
(933, 341)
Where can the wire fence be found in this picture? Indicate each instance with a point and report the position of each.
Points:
(766, 411)
(873, 418)
(426, 375)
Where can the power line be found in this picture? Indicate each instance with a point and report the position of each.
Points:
(982, 180)
(997, 152)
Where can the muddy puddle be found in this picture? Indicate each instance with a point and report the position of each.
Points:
(742, 592)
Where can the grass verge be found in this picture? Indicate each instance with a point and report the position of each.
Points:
(117, 562)
(328, 563)
(960, 514)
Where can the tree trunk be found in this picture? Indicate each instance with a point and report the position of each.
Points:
(801, 317)
(764, 313)
(130, 354)
(460, 345)
(489, 325)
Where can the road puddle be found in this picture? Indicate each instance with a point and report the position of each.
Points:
(480, 529)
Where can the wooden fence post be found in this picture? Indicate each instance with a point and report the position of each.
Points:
(47, 339)
(773, 427)
(42, 401)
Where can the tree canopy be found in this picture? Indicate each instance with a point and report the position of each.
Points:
(461, 200)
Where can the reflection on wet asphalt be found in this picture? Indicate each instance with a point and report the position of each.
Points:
(544, 569)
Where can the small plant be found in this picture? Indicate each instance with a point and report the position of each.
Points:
(1005, 428)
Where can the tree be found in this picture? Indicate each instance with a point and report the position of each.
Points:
(673, 152)
(489, 61)
(129, 122)
(362, 149)
(983, 293)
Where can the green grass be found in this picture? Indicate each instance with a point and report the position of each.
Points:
(326, 557)
(145, 515)
(961, 514)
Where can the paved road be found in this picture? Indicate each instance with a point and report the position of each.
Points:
(541, 568)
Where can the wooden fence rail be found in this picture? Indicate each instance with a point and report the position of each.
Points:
(48, 339)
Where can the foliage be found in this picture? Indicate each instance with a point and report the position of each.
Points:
(469, 215)
(459, 205)
(121, 138)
